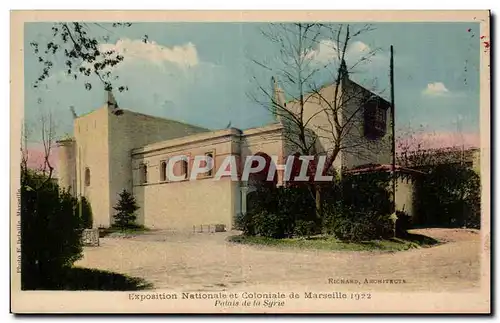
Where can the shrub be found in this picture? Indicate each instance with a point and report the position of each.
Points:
(125, 207)
(51, 231)
(403, 224)
(350, 225)
(273, 212)
(367, 192)
(304, 228)
(449, 195)
(361, 208)
(245, 223)
(271, 225)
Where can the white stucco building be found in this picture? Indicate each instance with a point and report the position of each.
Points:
(114, 149)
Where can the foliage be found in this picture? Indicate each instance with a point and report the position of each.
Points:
(347, 224)
(126, 207)
(274, 212)
(450, 195)
(367, 192)
(272, 225)
(50, 231)
(403, 224)
(304, 228)
(79, 47)
(360, 211)
(245, 223)
(361, 208)
(86, 212)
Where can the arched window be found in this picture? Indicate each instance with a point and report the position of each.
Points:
(144, 174)
(163, 171)
(87, 176)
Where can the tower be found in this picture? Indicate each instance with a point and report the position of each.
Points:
(278, 100)
(67, 165)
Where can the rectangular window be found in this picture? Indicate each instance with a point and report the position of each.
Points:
(210, 163)
(184, 168)
(163, 171)
(375, 119)
(144, 174)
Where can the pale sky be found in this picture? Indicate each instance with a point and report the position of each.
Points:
(200, 73)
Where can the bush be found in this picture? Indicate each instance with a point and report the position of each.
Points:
(361, 208)
(126, 207)
(347, 224)
(304, 228)
(271, 225)
(403, 224)
(367, 193)
(274, 212)
(449, 195)
(245, 223)
(51, 231)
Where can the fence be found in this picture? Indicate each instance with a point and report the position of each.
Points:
(90, 237)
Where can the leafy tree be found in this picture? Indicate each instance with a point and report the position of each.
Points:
(78, 44)
(450, 195)
(50, 231)
(126, 207)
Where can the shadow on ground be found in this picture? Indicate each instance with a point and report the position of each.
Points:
(421, 239)
(78, 278)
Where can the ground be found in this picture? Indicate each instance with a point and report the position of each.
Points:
(206, 261)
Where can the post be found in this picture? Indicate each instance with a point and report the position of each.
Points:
(393, 143)
(393, 131)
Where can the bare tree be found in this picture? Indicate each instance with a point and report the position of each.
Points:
(25, 133)
(418, 148)
(413, 147)
(47, 133)
(318, 120)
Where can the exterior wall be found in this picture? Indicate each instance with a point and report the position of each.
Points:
(405, 196)
(361, 150)
(317, 120)
(92, 152)
(182, 205)
(476, 161)
(131, 130)
(67, 165)
(268, 140)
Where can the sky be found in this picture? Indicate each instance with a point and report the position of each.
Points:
(202, 73)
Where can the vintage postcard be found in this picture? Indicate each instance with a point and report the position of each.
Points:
(250, 162)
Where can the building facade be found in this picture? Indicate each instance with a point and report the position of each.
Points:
(115, 149)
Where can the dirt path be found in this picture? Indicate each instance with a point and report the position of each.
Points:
(207, 262)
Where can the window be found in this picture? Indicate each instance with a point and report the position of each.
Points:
(375, 119)
(184, 168)
(163, 171)
(144, 174)
(210, 163)
(87, 176)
